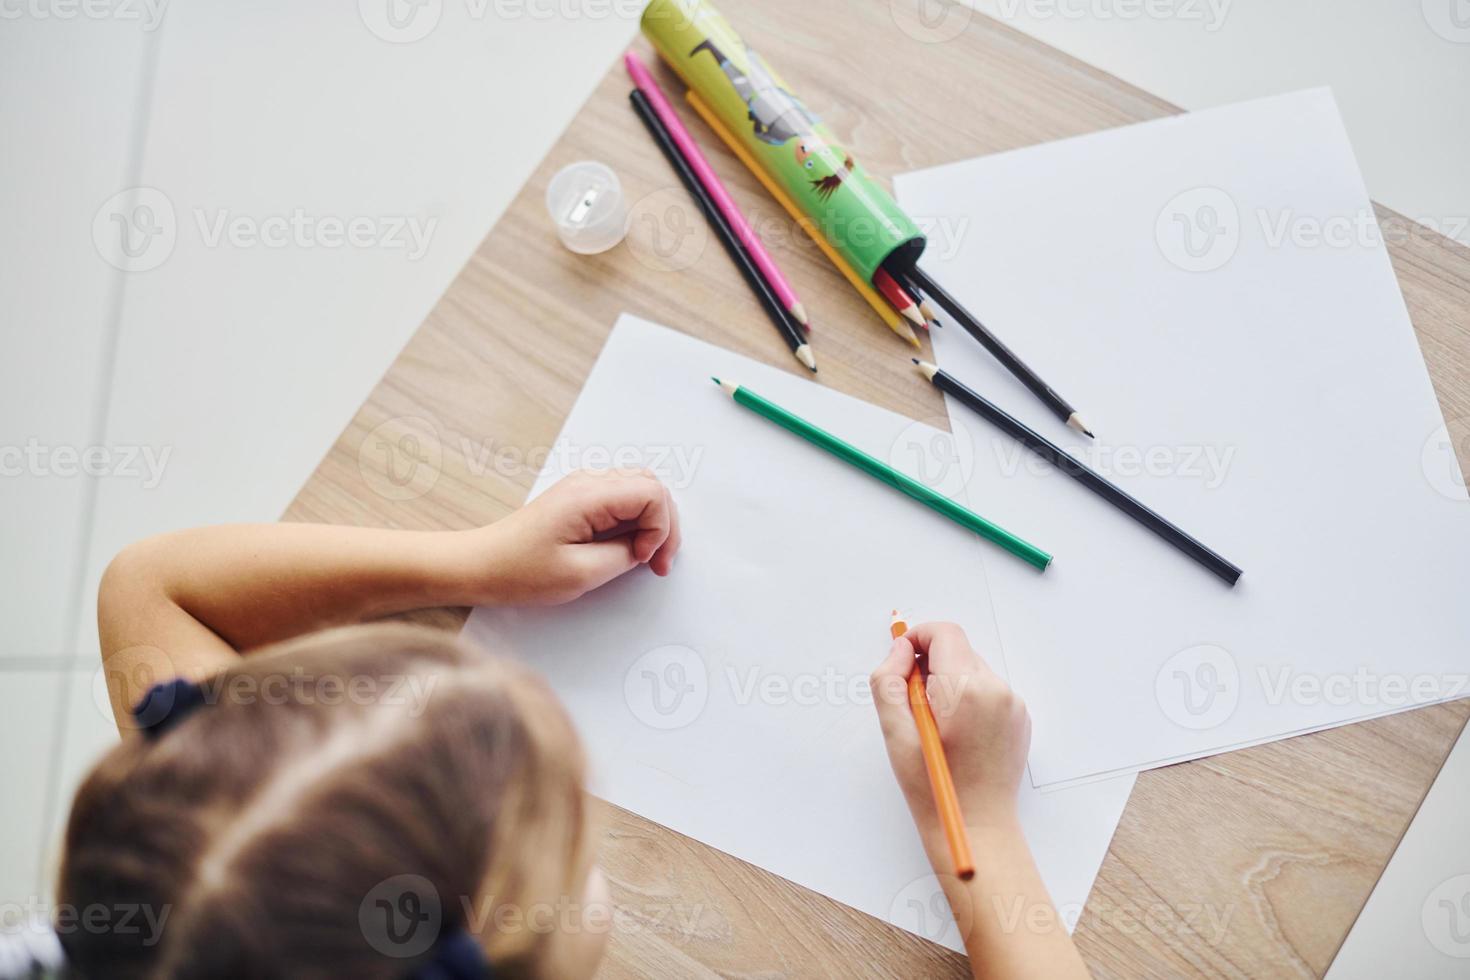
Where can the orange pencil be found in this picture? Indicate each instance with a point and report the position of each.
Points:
(940, 781)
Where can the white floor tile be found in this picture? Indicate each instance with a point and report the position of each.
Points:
(27, 702)
(70, 90)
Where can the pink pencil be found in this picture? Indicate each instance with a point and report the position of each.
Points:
(722, 199)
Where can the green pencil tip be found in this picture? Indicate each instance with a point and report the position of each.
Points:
(714, 379)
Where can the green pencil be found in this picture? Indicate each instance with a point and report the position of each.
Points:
(875, 467)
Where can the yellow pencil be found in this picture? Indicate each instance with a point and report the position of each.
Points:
(895, 322)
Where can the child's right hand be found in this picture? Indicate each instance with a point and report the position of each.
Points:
(986, 732)
(983, 724)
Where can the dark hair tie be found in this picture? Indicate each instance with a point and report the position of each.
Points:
(167, 704)
(457, 956)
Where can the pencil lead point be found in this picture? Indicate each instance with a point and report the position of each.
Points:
(914, 359)
(714, 379)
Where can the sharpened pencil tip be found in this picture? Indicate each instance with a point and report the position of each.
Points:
(714, 379)
(897, 626)
(1074, 421)
(914, 359)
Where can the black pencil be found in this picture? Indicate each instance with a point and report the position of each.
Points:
(1001, 352)
(784, 321)
(1074, 468)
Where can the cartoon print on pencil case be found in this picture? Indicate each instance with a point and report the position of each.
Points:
(778, 117)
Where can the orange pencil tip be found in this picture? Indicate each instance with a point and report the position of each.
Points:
(896, 626)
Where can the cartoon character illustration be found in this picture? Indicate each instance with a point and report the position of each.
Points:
(779, 118)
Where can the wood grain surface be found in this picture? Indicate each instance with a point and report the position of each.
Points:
(1248, 864)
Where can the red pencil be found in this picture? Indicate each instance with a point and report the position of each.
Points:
(926, 308)
(900, 298)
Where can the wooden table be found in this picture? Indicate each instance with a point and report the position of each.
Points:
(1279, 845)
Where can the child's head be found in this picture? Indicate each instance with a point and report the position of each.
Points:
(336, 794)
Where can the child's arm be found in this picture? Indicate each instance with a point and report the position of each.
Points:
(185, 604)
(1004, 913)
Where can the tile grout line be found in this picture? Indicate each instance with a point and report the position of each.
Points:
(42, 663)
(106, 372)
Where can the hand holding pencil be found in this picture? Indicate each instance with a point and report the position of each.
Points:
(983, 726)
(984, 733)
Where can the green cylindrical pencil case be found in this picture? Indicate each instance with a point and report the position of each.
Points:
(856, 215)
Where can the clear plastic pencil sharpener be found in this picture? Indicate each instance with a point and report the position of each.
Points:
(586, 204)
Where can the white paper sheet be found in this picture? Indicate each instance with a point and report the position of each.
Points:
(729, 701)
(1211, 292)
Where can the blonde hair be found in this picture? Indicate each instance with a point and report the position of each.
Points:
(262, 825)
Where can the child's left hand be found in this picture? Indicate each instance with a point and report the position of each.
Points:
(186, 604)
(584, 532)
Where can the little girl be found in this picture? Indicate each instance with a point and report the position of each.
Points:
(381, 801)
